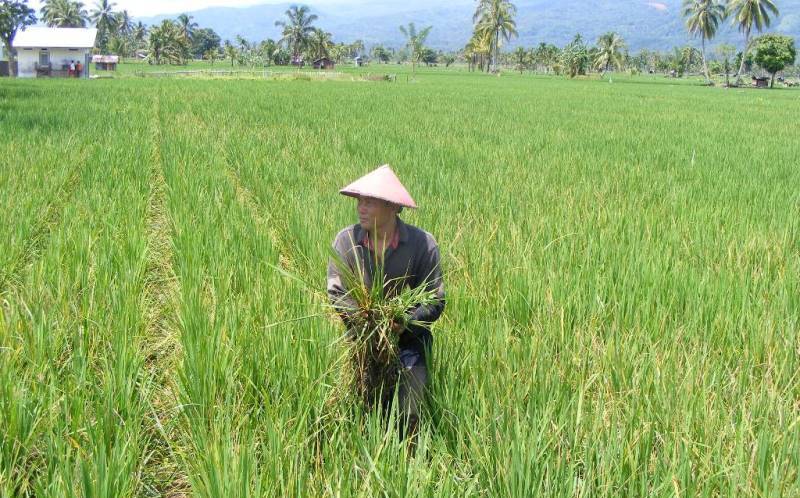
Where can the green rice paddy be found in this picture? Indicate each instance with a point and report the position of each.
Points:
(622, 263)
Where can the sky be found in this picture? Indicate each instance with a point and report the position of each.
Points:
(144, 8)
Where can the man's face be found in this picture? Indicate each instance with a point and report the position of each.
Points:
(375, 212)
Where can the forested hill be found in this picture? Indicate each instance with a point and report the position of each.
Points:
(652, 24)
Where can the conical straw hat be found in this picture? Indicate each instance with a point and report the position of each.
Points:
(381, 184)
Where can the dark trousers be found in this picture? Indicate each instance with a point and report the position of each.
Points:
(412, 384)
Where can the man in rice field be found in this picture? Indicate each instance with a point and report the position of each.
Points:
(408, 257)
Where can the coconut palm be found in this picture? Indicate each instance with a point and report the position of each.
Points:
(231, 53)
(212, 54)
(187, 25)
(124, 23)
(244, 45)
(546, 56)
(319, 43)
(726, 52)
(521, 58)
(480, 47)
(268, 49)
(335, 52)
(167, 44)
(119, 45)
(415, 41)
(747, 14)
(702, 19)
(297, 29)
(496, 17)
(104, 17)
(139, 34)
(64, 14)
(610, 47)
(357, 47)
(380, 54)
(575, 57)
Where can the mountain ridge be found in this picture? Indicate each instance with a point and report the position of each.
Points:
(650, 24)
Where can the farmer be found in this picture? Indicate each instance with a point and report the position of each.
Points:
(410, 257)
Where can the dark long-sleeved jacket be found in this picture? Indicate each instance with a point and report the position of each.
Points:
(414, 262)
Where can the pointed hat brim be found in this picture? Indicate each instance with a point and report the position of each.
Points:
(381, 184)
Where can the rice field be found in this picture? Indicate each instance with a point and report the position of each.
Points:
(622, 265)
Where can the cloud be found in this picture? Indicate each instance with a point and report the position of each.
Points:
(658, 6)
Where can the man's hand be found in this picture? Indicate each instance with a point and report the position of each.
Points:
(398, 327)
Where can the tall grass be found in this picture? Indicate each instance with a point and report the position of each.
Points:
(622, 268)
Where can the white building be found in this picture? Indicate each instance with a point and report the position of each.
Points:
(50, 51)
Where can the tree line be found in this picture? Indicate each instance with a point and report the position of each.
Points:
(494, 24)
(176, 41)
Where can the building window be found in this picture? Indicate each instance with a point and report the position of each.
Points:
(44, 58)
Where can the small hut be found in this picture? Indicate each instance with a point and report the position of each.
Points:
(760, 82)
(298, 61)
(105, 62)
(324, 63)
(360, 61)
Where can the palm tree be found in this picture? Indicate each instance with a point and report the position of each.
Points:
(336, 53)
(575, 57)
(726, 52)
(357, 47)
(749, 13)
(167, 44)
(319, 43)
(415, 42)
(609, 51)
(187, 25)
(297, 29)
(481, 47)
(703, 18)
(64, 14)
(380, 54)
(244, 45)
(212, 54)
(139, 33)
(230, 52)
(268, 49)
(124, 23)
(521, 57)
(105, 19)
(119, 45)
(496, 17)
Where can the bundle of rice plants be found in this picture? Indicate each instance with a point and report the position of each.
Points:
(378, 313)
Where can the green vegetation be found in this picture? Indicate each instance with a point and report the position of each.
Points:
(415, 43)
(703, 18)
(622, 264)
(774, 53)
(749, 14)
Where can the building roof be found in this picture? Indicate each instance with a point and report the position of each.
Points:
(39, 37)
(108, 59)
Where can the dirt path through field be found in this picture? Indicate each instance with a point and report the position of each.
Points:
(161, 344)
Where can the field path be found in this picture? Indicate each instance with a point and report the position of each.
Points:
(161, 345)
